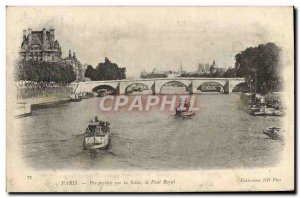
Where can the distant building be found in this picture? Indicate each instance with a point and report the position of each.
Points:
(206, 66)
(161, 74)
(79, 69)
(202, 69)
(214, 68)
(40, 46)
(155, 71)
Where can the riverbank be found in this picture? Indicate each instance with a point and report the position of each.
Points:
(24, 107)
(269, 104)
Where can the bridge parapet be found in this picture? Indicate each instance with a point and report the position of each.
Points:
(156, 84)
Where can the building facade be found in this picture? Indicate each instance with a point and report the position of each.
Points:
(79, 68)
(40, 46)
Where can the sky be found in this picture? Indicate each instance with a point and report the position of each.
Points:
(142, 38)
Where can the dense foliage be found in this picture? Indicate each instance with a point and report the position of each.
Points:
(106, 71)
(45, 72)
(90, 72)
(261, 63)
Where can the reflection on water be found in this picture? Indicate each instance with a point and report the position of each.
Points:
(219, 136)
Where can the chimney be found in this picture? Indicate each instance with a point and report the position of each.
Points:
(24, 35)
(29, 36)
(70, 54)
(44, 36)
(74, 56)
(52, 36)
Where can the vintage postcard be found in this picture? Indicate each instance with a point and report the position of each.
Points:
(150, 99)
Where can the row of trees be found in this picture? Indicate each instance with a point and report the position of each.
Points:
(106, 71)
(45, 73)
(260, 64)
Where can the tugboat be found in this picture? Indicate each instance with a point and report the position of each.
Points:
(96, 135)
(274, 133)
(182, 110)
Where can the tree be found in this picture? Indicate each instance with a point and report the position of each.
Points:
(229, 73)
(66, 72)
(90, 73)
(106, 71)
(45, 73)
(261, 62)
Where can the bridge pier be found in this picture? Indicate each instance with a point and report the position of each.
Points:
(122, 88)
(190, 89)
(226, 87)
(153, 89)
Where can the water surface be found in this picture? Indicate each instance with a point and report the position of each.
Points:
(220, 135)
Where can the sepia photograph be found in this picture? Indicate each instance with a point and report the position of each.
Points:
(149, 99)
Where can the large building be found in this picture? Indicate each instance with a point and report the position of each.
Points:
(79, 68)
(40, 46)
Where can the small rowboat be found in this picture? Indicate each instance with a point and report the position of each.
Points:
(274, 133)
(183, 110)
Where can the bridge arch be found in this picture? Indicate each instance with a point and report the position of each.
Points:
(211, 86)
(111, 90)
(173, 83)
(136, 87)
(241, 87)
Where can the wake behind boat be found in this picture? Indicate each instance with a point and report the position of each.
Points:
(96, 135)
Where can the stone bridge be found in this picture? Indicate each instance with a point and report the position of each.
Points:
(155, 84)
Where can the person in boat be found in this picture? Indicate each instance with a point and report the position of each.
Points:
(98, 130)
(185, 108)
(92, 128)
(88, 132)
(187, 104)
(104, 126)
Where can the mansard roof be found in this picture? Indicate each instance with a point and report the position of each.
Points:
(37, 42)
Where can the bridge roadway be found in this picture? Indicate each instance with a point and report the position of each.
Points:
(155, 84)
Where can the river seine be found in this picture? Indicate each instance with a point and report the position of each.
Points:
(219, 136)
